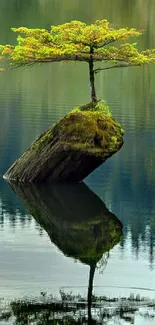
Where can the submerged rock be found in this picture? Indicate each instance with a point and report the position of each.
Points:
(71, 149)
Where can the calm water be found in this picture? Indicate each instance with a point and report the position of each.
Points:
(41, 256)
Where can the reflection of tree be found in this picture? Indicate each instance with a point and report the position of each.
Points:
(76, 220)
(141, 231)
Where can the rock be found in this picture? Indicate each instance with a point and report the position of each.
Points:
(70, 150)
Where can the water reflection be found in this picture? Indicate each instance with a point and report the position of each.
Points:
(81, 226)
(46, 310)
(77, 222)
(138, 221)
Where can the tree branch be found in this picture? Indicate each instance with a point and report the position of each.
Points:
(97, 46)
(104, 44)
(81, 57)
(114, 67)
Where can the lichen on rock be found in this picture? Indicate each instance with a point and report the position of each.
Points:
(71, 149)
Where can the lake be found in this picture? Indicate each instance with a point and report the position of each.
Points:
(50, 237)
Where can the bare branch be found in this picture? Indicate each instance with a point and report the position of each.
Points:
(114, 67)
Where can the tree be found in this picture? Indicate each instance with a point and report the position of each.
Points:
(77, 41)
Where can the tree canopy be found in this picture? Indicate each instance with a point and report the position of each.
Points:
(77, 41)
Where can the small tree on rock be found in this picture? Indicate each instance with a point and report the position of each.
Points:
(77, 41)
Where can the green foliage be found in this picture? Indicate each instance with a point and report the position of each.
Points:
(76, 40)
(99, 107)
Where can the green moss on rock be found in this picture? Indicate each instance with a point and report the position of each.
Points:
(82, 129)
(72, 148)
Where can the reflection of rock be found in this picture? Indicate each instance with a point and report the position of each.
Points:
(69, 150)
(76, 220)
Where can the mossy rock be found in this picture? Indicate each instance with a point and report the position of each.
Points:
(71, 149)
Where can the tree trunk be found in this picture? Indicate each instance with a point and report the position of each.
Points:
(90, 290)
(92, 78)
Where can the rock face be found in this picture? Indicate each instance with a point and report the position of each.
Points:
(70, 150)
